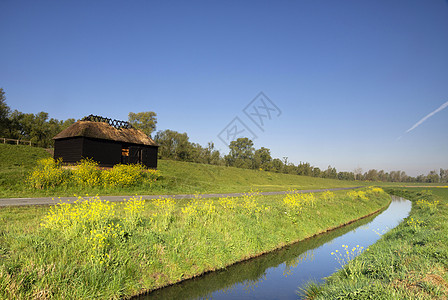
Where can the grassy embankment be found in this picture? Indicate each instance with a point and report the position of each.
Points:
(104, 250)
(408, 262)
(17, 161)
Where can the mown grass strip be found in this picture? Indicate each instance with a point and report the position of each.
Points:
(97, 249)
(408, 262)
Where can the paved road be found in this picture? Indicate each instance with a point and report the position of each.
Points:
(55, 200)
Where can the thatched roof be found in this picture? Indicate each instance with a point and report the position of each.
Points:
(104, 131)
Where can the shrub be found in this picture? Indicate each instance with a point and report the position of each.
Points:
(123, 175)
(87, 173)
(47, 173)
(128, 175)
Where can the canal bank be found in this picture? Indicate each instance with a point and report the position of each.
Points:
(326, 216)
(157, 243)
(408, 262)
(280, 273)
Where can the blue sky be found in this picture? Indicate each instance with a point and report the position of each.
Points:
(349, 77)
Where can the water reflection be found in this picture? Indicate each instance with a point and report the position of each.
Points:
(294, 263)
(278, 275)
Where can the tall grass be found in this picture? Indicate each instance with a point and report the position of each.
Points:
(97, 249)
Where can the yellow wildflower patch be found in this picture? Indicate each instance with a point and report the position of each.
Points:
(49, 173)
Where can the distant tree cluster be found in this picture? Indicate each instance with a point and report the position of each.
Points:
(177, 146)
(37, 128)
(401, 176)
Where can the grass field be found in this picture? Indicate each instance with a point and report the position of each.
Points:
(102, 250)
(408, 262)
(188, 237)
(17, 161)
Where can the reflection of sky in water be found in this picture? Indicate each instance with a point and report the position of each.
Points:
(282, 281)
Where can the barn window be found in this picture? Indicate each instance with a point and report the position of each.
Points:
(124, 151)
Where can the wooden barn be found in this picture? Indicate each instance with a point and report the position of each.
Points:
(108, 142)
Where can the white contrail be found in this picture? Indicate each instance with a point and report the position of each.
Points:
(444, 105)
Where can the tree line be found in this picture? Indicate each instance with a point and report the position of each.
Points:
(40, 129)
(37, 128)
(242, 154)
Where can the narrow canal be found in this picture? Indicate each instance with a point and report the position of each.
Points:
(280, 274)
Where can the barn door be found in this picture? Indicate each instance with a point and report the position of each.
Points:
(124, 155)
(135, 155)
(149, 158)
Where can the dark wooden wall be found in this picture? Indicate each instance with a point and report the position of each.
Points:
(149, 158)
(106, 153)
(142, 154)
(70, 150)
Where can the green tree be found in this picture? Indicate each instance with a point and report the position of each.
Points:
(358, 174)
(40, 129)
(277, 165)
(216, 158)
(443, 175)
(398, 176)
(316, 172)
(212, 155)
(330, 173)
(432, 177)
(421, 178)
(382, 176)
(262, 158)
(290, 168)
(35, 127)
(304, 169)
(174, 145)
(145, 121)
(15, 125)
(67, 123)
(197, 153)
(241, 153)
(372, 175)
(4, 114)
(346, 176)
